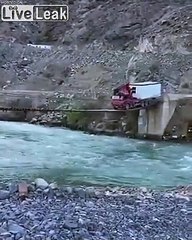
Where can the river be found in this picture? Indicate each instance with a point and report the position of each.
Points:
(71, 157)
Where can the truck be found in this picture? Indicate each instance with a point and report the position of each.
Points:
(136, 95)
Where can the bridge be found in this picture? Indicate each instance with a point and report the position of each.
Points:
(6, 109)
(174, 111)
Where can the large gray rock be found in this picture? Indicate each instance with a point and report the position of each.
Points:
(4, 194)
(41, 183)
(14, 228)
(13, 188)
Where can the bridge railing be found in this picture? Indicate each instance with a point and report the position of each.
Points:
(43, 110)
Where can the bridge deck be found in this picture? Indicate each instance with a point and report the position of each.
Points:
(5, 109)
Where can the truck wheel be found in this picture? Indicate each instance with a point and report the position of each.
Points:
(128, 106)
(146, 104)
(143, 104)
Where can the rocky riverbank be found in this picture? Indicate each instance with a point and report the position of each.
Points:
(52, 212)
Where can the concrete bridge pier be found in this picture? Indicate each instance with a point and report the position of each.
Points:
(152, 122)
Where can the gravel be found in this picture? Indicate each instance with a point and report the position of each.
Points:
(96, 213)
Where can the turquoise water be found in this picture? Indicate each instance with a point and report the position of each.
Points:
(70, 157)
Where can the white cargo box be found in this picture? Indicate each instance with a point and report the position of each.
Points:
(146, 90)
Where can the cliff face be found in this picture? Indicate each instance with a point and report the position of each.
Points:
(103, 40)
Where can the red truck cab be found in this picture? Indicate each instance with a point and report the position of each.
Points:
(122, 98)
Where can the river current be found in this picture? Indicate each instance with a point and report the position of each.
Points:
(72, 157)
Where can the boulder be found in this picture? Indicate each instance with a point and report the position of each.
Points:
(41, 183)
(4, 194)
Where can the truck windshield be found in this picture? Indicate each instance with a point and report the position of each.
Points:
(116, 92)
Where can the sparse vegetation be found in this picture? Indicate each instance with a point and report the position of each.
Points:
(77, 120)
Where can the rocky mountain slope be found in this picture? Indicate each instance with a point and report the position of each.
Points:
(103, 43)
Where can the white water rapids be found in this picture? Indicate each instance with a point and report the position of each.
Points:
(70, 157)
